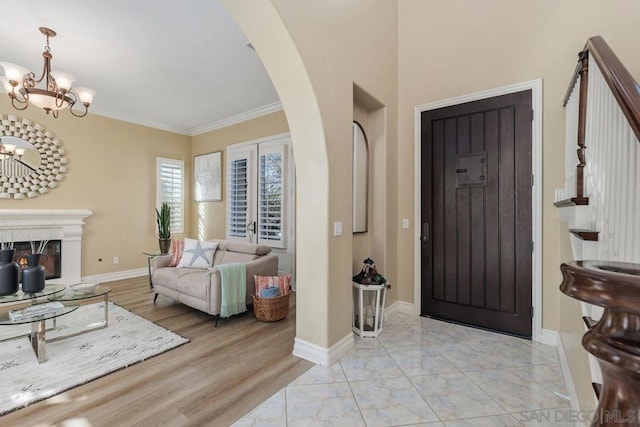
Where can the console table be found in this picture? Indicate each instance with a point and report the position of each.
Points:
(150, 256)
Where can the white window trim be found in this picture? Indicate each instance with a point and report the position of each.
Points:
(281, 148)
(249, 154)
(180, 164)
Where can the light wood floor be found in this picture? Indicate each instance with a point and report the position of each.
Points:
(214, 380)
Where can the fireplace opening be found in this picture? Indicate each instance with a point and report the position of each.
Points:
(51, 258)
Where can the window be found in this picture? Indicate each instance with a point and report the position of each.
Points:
(270, 196)
(257, 189)
(170, 189)
(238, 197)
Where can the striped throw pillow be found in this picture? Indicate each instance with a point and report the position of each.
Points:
(264, 282)
(177, 247)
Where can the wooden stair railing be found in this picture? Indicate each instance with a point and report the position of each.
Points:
(615, 339)
(588, 235)
(622, 85)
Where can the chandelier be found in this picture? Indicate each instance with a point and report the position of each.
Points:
(10, 151)
(56, 92)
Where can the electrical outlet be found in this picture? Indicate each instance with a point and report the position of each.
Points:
(405, 222)
(115, 260)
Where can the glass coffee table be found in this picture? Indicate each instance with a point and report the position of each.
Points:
(37, 319)
(68, 301)
(73, 297)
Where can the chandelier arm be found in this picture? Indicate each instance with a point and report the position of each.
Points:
(29, 80)
(60, 99)
(86, 110)
(15, 100)
(14, 96)
(46, 68)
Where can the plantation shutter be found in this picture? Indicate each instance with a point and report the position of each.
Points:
(240, 190)
(170, 189)
(271, 194)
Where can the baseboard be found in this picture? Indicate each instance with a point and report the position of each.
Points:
(118, 275)
(398, 307)
(548, 337)
(574, 404)
(321, 355)
(406, 307)
(392, 310)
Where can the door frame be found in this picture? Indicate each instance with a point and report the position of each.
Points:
(290, 196)
(536, 194)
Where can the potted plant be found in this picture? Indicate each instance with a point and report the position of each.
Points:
(163, 219)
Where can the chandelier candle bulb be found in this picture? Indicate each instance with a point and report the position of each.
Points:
(86, 95)
(13, 72)
(63, 80)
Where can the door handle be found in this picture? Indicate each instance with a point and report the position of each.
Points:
(251, 227)
(425, 232)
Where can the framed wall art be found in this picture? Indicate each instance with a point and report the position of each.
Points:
(207, 174)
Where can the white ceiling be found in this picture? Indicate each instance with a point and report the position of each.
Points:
(176, 65)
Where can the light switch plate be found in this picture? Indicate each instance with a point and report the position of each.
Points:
(405, 222)
(337, 228)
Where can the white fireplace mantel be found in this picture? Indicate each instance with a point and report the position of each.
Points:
(48, 224)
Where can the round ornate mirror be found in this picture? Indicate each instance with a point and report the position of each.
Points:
(32, 160)
(17, 157)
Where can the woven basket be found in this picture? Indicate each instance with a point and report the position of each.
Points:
(271, 309)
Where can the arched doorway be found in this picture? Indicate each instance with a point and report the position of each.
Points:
(266, 31)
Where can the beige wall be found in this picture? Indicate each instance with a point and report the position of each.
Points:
(491, 44)
(452, 48)
(112, 173)
(208, 218)
(342, 43)
(314, 53)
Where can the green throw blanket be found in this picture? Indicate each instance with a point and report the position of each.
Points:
(233, 288)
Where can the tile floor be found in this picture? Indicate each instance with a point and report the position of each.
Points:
(424, 372)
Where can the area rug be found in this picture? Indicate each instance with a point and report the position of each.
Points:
(73, 361)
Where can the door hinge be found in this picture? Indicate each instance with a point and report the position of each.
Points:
(532, 312)
(532, 114)
(533, 179)
(532, 248)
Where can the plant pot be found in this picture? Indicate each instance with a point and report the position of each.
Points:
(8, 273)
(165, 244)
(33, 275)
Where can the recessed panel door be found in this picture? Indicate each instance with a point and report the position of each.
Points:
(476, 257)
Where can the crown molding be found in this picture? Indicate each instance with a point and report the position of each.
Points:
(208, 127)
(237, 118)
(139, 121)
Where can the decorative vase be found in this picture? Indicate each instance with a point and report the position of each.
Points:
(165, 244)
(8, 273)
(33, 275)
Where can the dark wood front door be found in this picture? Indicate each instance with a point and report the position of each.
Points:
(476, 213)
